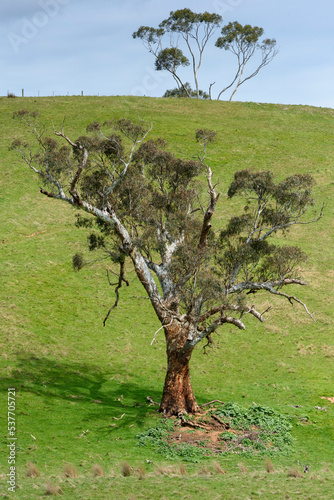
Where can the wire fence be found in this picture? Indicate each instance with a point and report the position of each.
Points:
(54, 94)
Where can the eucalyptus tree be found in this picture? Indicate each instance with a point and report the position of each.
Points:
(168, 58)
(195, 29)
(244, 42)
(145, 206)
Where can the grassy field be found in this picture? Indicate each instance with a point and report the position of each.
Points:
(81, 389)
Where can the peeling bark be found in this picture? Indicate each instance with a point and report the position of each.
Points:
(178, 397)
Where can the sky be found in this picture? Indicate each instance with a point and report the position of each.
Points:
(69, 47)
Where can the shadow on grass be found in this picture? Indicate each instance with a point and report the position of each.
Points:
(103, 394)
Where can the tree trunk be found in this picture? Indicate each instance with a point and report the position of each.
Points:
(178, 396)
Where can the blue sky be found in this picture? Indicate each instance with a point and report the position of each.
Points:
(67, 46)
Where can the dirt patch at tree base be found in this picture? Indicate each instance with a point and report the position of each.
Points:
(209, 432)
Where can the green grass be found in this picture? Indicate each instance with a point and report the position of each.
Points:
(72, 375)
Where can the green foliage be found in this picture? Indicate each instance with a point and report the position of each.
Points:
(259, 184)
(151, 35)
(77, 261)
(227, 436)
(185, 21)
(157, 433)
(267, 429)
(205, 136)
(186, 91)
(156, 439)
(234, 33)
(170, 59)
(270, 209)
(260, 416)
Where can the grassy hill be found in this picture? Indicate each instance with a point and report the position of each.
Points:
(81, 389)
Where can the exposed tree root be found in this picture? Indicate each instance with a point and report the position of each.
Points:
(211, 402)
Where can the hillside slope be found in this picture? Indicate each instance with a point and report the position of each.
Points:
(72, 375)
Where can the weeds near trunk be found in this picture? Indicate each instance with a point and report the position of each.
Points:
(157, 438)
(230, 428)
(255, 429)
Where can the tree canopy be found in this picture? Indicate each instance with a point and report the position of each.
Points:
(196, 30)
(150, 209)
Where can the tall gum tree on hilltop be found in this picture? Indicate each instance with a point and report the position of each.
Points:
(193, 32)
(195, 29)
(148, 207)
(244, 42)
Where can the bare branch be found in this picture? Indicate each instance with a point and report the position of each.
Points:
(127, 163)
(200, 335)
(61, 134)
(161, 327)
(73, 188)
(121, 278)
(209, 211)
(292, 223)
(273, 288)
(231, 307)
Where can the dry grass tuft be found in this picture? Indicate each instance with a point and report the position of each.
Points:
(243, 468)
(141, 472)
(205, 470)
(167, 470)
(269, 466)
(97, 470)
(70, 470)
(295, 472)
(183, 470)
(162, 470)
(32, 470)
(217, 468)
(52, 489)
(328, 351)
(126, 470)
